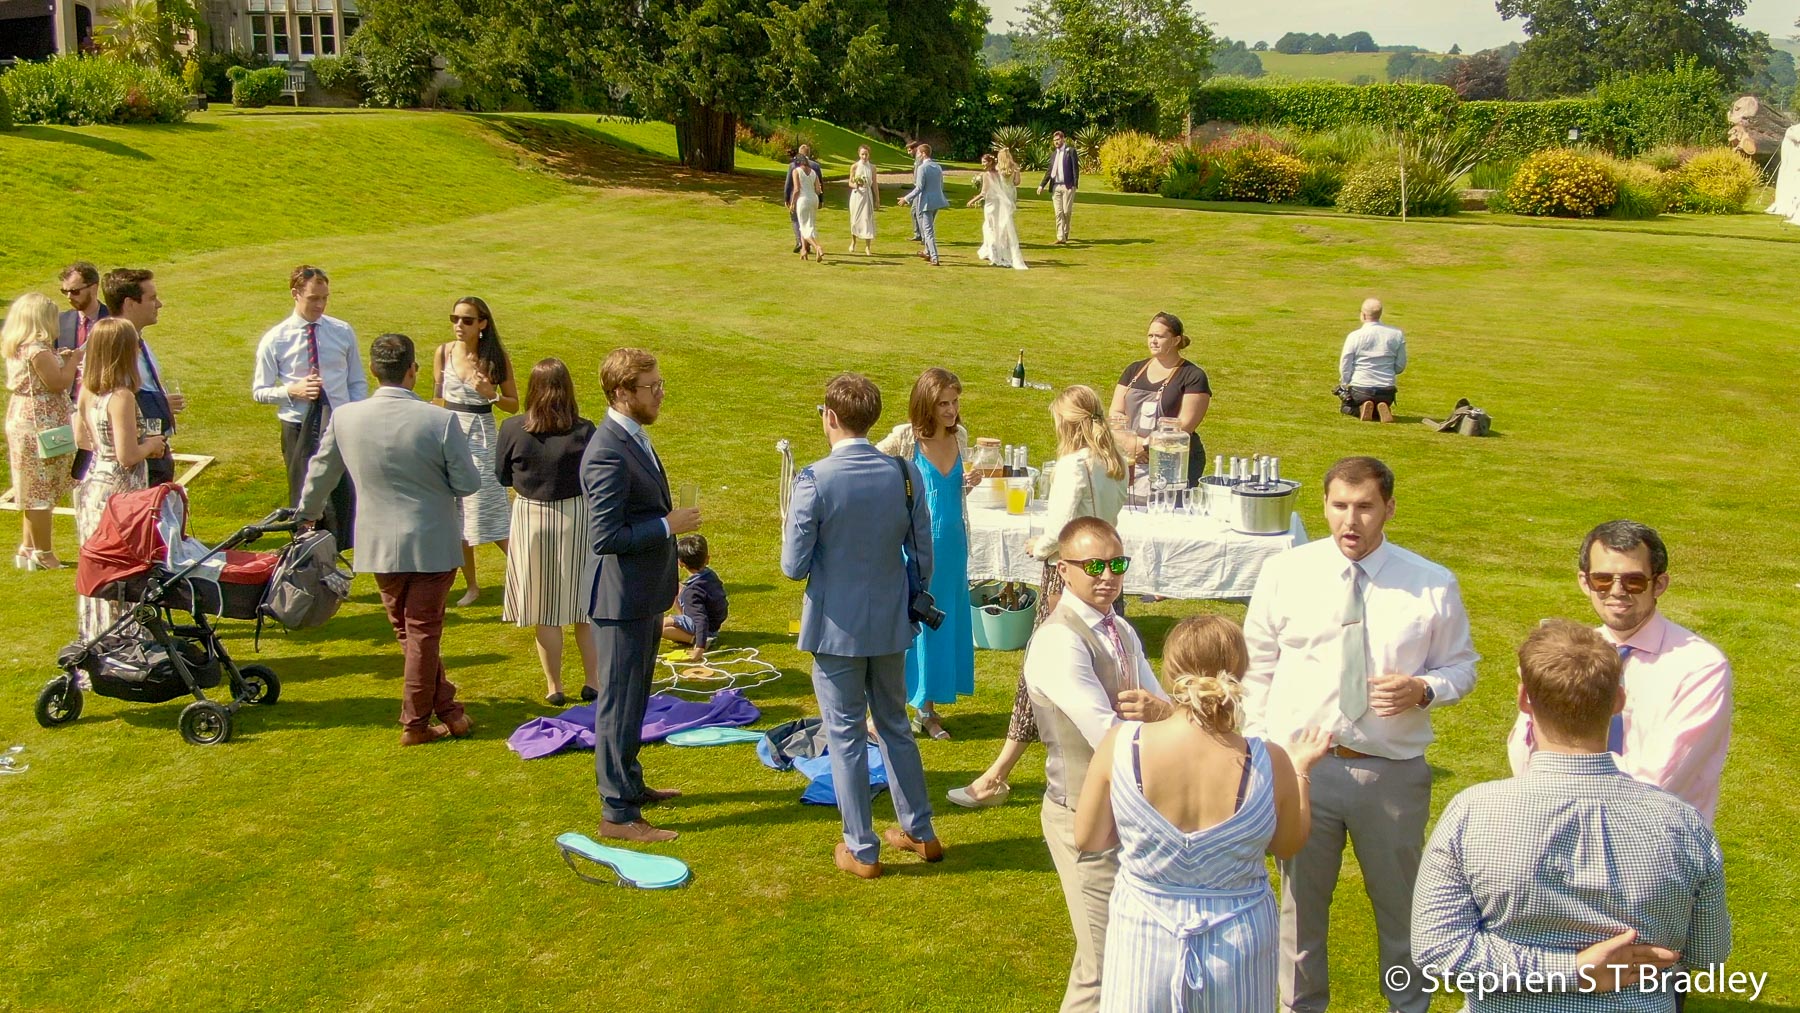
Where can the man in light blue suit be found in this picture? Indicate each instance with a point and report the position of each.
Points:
(847, 520)
(927, 199)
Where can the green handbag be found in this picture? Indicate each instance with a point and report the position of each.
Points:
(58, 441)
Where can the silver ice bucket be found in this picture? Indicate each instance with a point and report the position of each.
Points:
(1263, 508)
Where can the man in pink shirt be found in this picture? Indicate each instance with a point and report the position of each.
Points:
(1676, 724)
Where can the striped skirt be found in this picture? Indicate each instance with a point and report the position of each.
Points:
(485, 516)
(546, 562)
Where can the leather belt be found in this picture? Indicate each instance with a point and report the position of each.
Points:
(1346, 753)
(469, 409)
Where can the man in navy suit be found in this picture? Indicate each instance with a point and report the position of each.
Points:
(847, 520)
(633, 525)
(927, 199)
(81, 286)
(1061, 178)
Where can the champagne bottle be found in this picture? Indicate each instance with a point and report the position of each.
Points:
(1018, 373)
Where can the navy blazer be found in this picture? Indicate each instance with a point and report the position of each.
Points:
(68, 326)
(627, 500)
(1071, 166)
(846, 523)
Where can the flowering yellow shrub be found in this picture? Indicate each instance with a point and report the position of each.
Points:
(1262, 174)
(1562, 182)
(1134, 162)
(1715, 182)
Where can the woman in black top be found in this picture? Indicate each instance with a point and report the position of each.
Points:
(1163, 386)
(538, 454)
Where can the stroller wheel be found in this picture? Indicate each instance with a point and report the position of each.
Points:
(260, 685)
(59, 702)
(204, 723)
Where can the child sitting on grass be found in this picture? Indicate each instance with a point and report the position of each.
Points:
(700, 607)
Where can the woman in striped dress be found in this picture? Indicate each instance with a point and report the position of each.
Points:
(539, 457)
(474, 377)
(1192, 807)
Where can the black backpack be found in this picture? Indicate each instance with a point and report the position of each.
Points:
(309, 583)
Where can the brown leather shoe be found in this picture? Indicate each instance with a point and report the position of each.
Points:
(847, 862)
(931, 851)
(419, 737)
(637, 832)
(652, 796)
(461, 727)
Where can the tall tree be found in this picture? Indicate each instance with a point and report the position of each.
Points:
(1573, 44)
(1108, 56)
(1482, 76)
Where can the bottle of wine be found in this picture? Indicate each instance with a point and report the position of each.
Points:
(1018, 373)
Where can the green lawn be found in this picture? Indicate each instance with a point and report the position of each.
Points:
(311, 864)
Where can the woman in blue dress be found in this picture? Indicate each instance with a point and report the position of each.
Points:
(940, 666)
(1192, 807)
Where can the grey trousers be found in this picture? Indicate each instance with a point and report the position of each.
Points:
(1383, 806)
(1087, 884)
(627, 664)
(851, 690)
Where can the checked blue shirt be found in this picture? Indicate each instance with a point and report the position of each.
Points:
(1522, 874)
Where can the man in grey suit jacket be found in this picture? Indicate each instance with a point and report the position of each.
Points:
(847, 520)
(633, 524)
(411, 464)
(927, 199)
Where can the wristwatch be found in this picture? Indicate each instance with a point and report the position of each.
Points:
(1430, 695)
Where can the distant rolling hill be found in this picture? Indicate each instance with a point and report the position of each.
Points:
(1329, 66)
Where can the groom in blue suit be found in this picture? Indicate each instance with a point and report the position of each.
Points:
(847, 520)
(927, 199)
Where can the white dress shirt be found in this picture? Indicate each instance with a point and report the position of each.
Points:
(1374, 354)
(1415, 624)
(1059, 668)
(283, 358)
(635, 429)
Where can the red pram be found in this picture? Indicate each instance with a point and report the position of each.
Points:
(141, 557)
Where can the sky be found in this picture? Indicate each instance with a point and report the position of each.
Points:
(1433, 24)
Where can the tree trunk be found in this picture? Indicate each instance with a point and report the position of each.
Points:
(706, 138)
(1756, 128)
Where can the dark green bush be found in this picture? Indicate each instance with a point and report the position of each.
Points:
(1192, 175)
(6, 120)
(254, 89)
(337, 74)
(1684, 105)
(78, 90)
(1320, 185)
(394, 72)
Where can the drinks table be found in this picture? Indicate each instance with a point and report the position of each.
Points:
(1172, 555)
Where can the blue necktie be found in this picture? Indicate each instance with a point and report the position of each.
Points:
(1615, 732)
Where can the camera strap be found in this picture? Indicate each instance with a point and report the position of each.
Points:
(914, 584)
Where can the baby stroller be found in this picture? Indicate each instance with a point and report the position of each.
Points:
(141, 557)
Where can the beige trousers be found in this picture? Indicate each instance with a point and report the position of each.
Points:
(1063, 198)
(1087, 883)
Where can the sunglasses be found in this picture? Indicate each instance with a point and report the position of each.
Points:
(78, 288)
(457, 318)
(1096, 567)
(1632, 583)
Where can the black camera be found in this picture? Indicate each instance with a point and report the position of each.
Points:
(923, 609)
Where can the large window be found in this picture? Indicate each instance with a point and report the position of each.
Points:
(259, 33)
(327, 36)
(306, 36)
(282, 52)
(351, 23)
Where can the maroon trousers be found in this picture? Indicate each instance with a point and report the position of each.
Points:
(415, 605)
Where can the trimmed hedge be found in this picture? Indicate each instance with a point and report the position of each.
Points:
(1627, 115)
(253, 89)
(79, 90)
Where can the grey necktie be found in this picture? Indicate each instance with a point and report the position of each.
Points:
(643, 439)
(1353, 681)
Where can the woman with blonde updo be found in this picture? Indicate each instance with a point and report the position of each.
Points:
(1193, 806)
(1087, 480)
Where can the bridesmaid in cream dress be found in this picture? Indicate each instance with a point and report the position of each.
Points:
(865, 197)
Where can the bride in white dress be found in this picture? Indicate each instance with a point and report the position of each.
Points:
(1000, 201)
(805, 205)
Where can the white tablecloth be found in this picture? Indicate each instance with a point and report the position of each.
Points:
(1171, 556)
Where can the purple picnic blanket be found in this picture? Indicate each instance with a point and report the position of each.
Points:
(666, 715)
